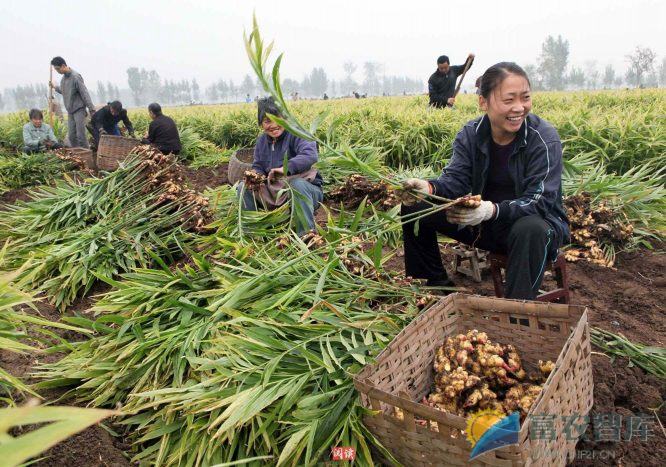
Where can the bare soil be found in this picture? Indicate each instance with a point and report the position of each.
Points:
(12, 196)
(206, 177)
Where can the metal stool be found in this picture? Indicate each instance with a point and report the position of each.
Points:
(559, 266)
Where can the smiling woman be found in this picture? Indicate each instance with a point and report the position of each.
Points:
(508, 87)
(512, 161)
(275, 153)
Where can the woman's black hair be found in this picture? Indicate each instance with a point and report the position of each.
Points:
(35, 113)
(267, 106)
(116, 105)
(494, 76)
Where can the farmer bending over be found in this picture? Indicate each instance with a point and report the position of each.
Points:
(105, 121)
(513, 159)
(442, 83)
(269, 153)
(37, 135)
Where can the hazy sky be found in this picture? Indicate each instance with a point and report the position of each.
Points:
(203, 39)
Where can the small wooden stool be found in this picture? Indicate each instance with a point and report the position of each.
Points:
(559, 266)
(477, 261)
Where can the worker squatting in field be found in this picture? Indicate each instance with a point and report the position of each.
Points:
(513, 160)
(305, 181)
(37, 135)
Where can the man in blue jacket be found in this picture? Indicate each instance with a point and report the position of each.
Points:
(301, 154)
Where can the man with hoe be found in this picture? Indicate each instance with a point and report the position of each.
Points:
(442, 83)
(76, 98)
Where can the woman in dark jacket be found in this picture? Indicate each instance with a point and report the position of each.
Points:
(513, 160)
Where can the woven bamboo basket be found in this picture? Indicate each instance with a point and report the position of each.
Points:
(403, 374)
(86, 156)
(113, 149)
(239, 162)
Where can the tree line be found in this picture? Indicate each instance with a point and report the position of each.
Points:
(317, 83)
(551, 72)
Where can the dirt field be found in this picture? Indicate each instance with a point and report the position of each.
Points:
(629, 300)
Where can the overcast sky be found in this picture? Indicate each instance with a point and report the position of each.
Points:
(203, 39)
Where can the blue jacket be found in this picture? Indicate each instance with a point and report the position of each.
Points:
(535, 166)
(301, 154)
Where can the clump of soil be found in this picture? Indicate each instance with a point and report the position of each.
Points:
(12, 196)
(357, 187)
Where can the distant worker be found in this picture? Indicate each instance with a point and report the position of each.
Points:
(37, 135)
(325, 96)
(162, 131)
(442, 83)
(248, 99)
(76, 98)
(105, 121)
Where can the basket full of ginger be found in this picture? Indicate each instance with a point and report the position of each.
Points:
(468, 355)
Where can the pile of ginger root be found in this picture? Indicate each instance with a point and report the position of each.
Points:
(473, 373)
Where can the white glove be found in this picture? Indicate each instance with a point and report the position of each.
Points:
(414, 184)
(471, 216)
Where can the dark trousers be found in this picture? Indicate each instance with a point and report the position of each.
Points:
(530, 242)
